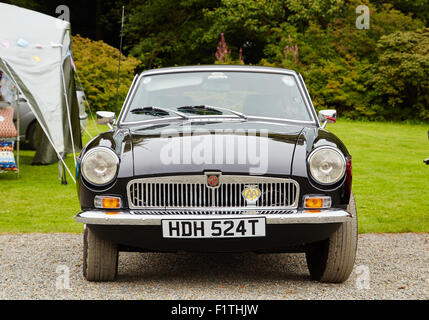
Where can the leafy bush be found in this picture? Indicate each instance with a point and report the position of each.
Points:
(379, 73)
(376, 73)
(97, 66)
(401, 76)
(166, 33)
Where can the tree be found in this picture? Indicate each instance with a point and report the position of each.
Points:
(97, 65)
(401, 76)
(168, 33)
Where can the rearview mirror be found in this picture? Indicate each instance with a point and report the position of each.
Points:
(105, 117)
(327, 116)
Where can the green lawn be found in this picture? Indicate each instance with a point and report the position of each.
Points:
(390, 180)
(37, 202)
(390, 183)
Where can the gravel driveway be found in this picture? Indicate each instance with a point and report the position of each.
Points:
(36, 266)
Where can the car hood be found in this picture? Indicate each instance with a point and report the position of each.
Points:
(234, 148)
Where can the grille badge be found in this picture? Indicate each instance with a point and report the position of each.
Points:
(213, 179)
(251, 194)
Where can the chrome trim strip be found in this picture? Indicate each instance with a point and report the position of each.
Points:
(297, 217)
(193, 180)
(307, 94)
(127, 99)
(209, 210)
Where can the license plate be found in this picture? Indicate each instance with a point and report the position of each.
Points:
(214, 228)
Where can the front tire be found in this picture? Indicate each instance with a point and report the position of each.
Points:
(332, 260)
(100, 257)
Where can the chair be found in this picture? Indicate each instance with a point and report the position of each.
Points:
(8, 137)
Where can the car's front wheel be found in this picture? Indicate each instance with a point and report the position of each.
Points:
(100, 257)
(332, 260)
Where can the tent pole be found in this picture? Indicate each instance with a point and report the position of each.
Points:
(63, 174)
(38, 120)
(68, 115)
(18, 138)
(89, 107)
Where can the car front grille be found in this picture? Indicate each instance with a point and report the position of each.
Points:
(206, 211)
(193, 191)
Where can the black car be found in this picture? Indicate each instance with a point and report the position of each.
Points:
(218, 159)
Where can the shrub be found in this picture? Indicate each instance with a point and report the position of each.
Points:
(97, 66)
(401, 76)
(380, 73)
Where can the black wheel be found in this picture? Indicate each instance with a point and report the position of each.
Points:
(332, 260)
(100, 257)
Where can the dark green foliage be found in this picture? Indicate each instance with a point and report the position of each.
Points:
(168, 33)
(376, 73)
(400, 84)
(344, 66)
(97, 65)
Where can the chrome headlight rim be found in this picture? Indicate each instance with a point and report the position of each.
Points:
(90, 152)
(337, 151)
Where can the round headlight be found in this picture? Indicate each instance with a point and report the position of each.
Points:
(327, 165)
(99, 166)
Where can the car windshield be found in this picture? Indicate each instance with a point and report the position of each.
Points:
(215, 93)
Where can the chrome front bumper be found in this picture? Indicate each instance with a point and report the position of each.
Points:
(100, 217)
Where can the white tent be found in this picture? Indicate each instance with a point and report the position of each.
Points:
(35, 51)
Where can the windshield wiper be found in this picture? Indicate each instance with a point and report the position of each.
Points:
(158, 112)
(211, 108)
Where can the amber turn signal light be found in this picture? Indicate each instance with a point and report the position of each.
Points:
(314, 203)
(111, 203)
(317, 202)
(106, 202)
